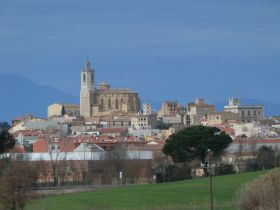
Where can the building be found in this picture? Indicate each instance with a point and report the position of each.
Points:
(26, 137)
(143, 122)
(147, 109)
(118, 121)
(104, 100)
(247, 113)
(168, 108)
(197, 111)
(219, 118)
(50, 124)
(21, 119)
(59, 110)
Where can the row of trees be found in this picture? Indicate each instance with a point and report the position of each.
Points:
(264, 158)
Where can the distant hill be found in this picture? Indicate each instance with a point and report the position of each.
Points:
(21, 96)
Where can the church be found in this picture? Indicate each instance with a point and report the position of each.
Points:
(103, 100)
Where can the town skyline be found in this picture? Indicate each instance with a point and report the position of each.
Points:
(37, 103)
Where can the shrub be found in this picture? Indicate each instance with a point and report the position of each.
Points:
(262, 193)
(225, 169)
(177, 172)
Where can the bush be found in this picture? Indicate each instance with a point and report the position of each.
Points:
(177, 172)
(251, 165)
(225, 169)
(266, 157)
(261, 194)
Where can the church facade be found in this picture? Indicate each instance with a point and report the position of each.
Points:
(102, 100)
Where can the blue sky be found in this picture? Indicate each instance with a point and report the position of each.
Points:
(162, 49)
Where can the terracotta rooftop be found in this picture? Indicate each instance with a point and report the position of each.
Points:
(113, 130)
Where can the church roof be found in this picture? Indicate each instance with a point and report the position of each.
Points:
(119, 91)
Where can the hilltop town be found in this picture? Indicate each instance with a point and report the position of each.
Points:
(113, 121)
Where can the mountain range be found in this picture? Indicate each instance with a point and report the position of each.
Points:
(20, 96)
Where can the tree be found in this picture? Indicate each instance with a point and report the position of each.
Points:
(159, 165)
(15, 180)
(252, 146)
(192, 142)
(265, 157)
(4, 126)
(119, 154)
(7, 141)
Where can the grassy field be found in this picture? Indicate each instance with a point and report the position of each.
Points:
(176, 195)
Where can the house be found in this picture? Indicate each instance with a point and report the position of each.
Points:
(198, 111)
(219, 118)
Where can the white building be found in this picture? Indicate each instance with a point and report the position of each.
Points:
(247, 113)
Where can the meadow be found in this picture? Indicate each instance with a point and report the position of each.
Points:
(189, 194)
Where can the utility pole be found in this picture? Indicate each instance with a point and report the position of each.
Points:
(210, 177)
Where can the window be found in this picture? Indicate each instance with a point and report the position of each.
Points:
(249, 113)
(109, 103)
(255, 113)
(243, 113)
(84, 77)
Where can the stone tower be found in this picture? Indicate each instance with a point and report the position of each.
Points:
(87, 92)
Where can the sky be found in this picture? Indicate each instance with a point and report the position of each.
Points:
(177, 50)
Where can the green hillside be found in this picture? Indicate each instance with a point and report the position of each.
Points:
(176, 195)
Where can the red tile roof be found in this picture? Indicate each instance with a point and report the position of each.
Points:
(37, 133)
(257, 141)
(40, 146)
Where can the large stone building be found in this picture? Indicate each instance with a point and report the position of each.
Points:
(220, 118)
(247, 113)
(197, 111)
(59, 110)
(104, 100)
(168, 108)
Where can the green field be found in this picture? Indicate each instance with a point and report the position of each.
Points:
(176, 195)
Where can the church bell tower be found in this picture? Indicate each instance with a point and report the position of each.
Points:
(87, 91)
